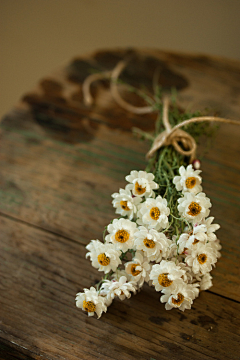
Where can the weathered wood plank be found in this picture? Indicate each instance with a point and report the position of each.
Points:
(59, 167)
(10, 351)
(42, 273)
(67, 190)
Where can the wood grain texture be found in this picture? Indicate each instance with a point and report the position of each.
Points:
(42, 274)
(60, 163)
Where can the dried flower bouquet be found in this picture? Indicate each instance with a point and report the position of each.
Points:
(163, 236)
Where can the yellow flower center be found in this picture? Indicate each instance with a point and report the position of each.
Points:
(103, 259)
(202, 258)
(89, 306)
(194, 209)
(139, 189)
(195, 241)
(164, 280)
(190, 182)
(179, 299)
(122, 236)
(149, 243)
(184, 251)
(134, 272)
(155, 213)
(124, 205)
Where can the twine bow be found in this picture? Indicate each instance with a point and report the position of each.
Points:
(170, 136)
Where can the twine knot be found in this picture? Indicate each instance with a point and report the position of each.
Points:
(173, 136)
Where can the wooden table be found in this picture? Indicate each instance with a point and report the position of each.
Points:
(60, 163)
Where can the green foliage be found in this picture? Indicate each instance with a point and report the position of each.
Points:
(165, 166)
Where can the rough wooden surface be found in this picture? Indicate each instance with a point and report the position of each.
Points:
(60, 163)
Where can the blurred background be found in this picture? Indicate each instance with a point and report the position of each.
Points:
(37, 36)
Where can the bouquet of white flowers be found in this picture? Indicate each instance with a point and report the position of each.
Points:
(142, 247)
(164, 236)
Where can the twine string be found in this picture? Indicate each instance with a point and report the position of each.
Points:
(86, 87)
(175, 136)
(116, 95)
(113, 76)
(170, 136)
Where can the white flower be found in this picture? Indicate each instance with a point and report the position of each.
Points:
(181, 296)
(202, 258)
(104, 257)
(119, 273)
(141, 183)
(125, 203)
(182, 247)
(172, 250)
(121, 288)
(138, 268)
(216, 246)
(210, 228)
(189, 276)
(121, 233)
(164, 274)
(187, 241)
(90, 301)
(194, 207)
(197, 235)
(154, 213)
(189, 180)
(93, 244)
(206, 282)
(153, 243)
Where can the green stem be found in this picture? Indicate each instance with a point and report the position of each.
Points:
(106, 277)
